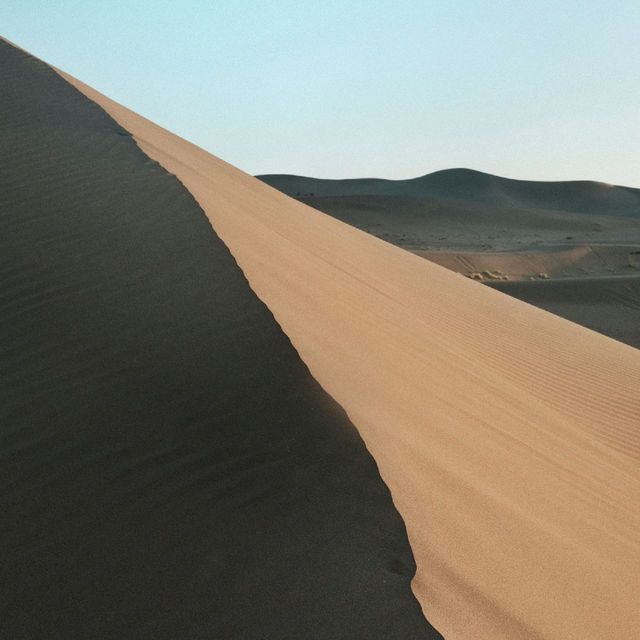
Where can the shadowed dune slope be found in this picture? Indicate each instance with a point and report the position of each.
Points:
(509, 437)
(170, 469)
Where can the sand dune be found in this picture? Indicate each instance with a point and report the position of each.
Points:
(461, 207)
(587, 300)
(466, 184)
(597, 286)
(509, 437)
(492, 229)
(169, 467)
(437, 222)
(542, 263)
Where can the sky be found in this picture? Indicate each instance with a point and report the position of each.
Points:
(535, 90)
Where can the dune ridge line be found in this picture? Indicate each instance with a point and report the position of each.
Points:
(170, 467)
(509, 438)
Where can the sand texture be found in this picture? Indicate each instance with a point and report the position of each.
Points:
(607, 304)
(493, 230)
(509, 437)
(170, 469)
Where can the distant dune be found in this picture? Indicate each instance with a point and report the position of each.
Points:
(467, 184)
(178, 468)
(494, 229)
(460, 208)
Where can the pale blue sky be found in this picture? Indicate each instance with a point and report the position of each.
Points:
(539, 90)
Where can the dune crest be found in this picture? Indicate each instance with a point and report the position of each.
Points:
(170, 467)
(509, 437)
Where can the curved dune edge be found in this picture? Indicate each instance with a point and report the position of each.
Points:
(509, 437)
(170, 467)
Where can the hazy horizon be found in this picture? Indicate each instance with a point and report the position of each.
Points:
(346, 90)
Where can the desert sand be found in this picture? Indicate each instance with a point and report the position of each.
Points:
(170, 469)
(578, 242)
(508, 437)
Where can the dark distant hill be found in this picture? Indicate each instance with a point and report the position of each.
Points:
(468, 209)
(467, 184)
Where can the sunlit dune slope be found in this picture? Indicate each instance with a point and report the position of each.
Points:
(494, 229)
(509, 437)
